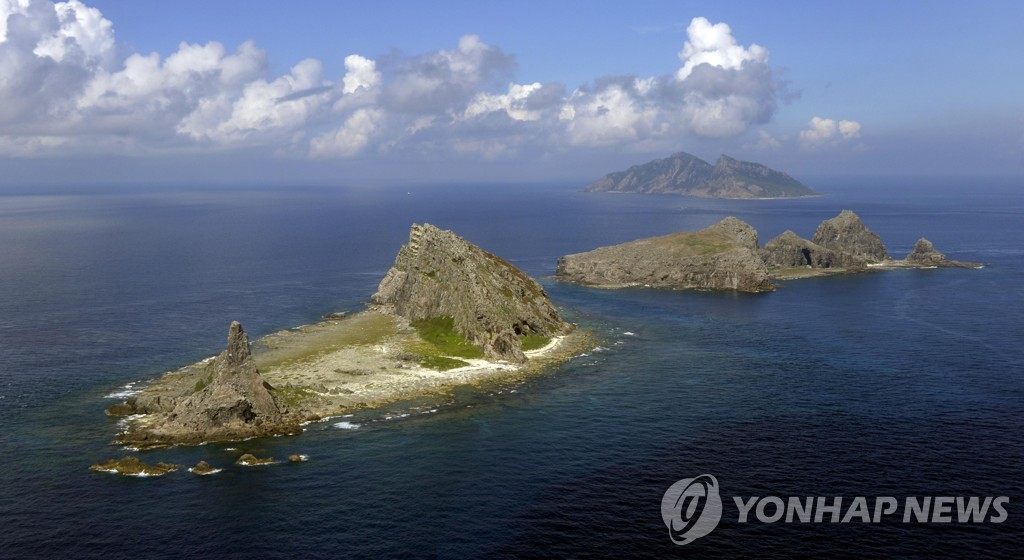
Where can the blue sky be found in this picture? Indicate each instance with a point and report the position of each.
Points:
(346, 92)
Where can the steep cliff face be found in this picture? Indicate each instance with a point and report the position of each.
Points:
(686, 174)
(493, 303)
(235, 403)
(790, 250)
(720, 257)
(847, 234)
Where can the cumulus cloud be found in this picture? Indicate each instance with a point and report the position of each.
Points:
(715, 46)
(824, 132)
(351, 137)
(62, 86)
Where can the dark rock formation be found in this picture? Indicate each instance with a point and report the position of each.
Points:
(235, 404)
(720, 257)
(133, 466)
(847, 234)
(203, 468)
(925, 255)
(493, 303)
(686, 174)
(790, 250)
(249, 460)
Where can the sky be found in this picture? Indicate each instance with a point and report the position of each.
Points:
(339, 92)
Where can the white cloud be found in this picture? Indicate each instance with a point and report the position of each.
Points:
(614, 114)
(9, 8)
(61, 86)
(82, 29)
(715, 45)
(722, 90)
(282, 106)
(823, 132)
(360, 72)
(351, 138)
(513, 103)
(849, 129)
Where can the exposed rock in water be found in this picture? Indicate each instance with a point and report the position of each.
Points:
(925, 254)
(133, 466)
(847, 234)
(493, 303)
(203, 468)
(249, 460)
(296, 458)
(720, 257)
(790, 250)
(235, 404)
(683, 173)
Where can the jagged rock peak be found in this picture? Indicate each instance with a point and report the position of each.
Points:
(925, 253)
(846, 233)
(231, 402)
(439, 274)
(238, 345)
(922, 248)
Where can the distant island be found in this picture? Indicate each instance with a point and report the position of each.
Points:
(727, 256)
(686, 174)
(447, 313)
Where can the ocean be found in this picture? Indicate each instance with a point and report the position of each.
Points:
(903, 383)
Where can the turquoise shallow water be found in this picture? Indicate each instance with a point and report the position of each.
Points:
(900, 383)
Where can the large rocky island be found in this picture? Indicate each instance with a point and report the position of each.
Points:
(447, 313)
(686, 174)
(726, 256)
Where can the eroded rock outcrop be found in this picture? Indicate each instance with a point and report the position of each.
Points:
(235, 403)
(789, 250)
(493, 303)
(925, 254)
(847, 234)
(723, 256)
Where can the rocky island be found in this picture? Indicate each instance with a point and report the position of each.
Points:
(720, 257)
(726, 256)
(447, 313)
(686, 174)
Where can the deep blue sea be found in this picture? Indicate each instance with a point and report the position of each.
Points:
(897, 383)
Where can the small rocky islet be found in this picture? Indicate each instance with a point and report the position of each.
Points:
(727, 256)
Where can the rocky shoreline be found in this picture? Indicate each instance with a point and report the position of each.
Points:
(727, 257)
(447, 314)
